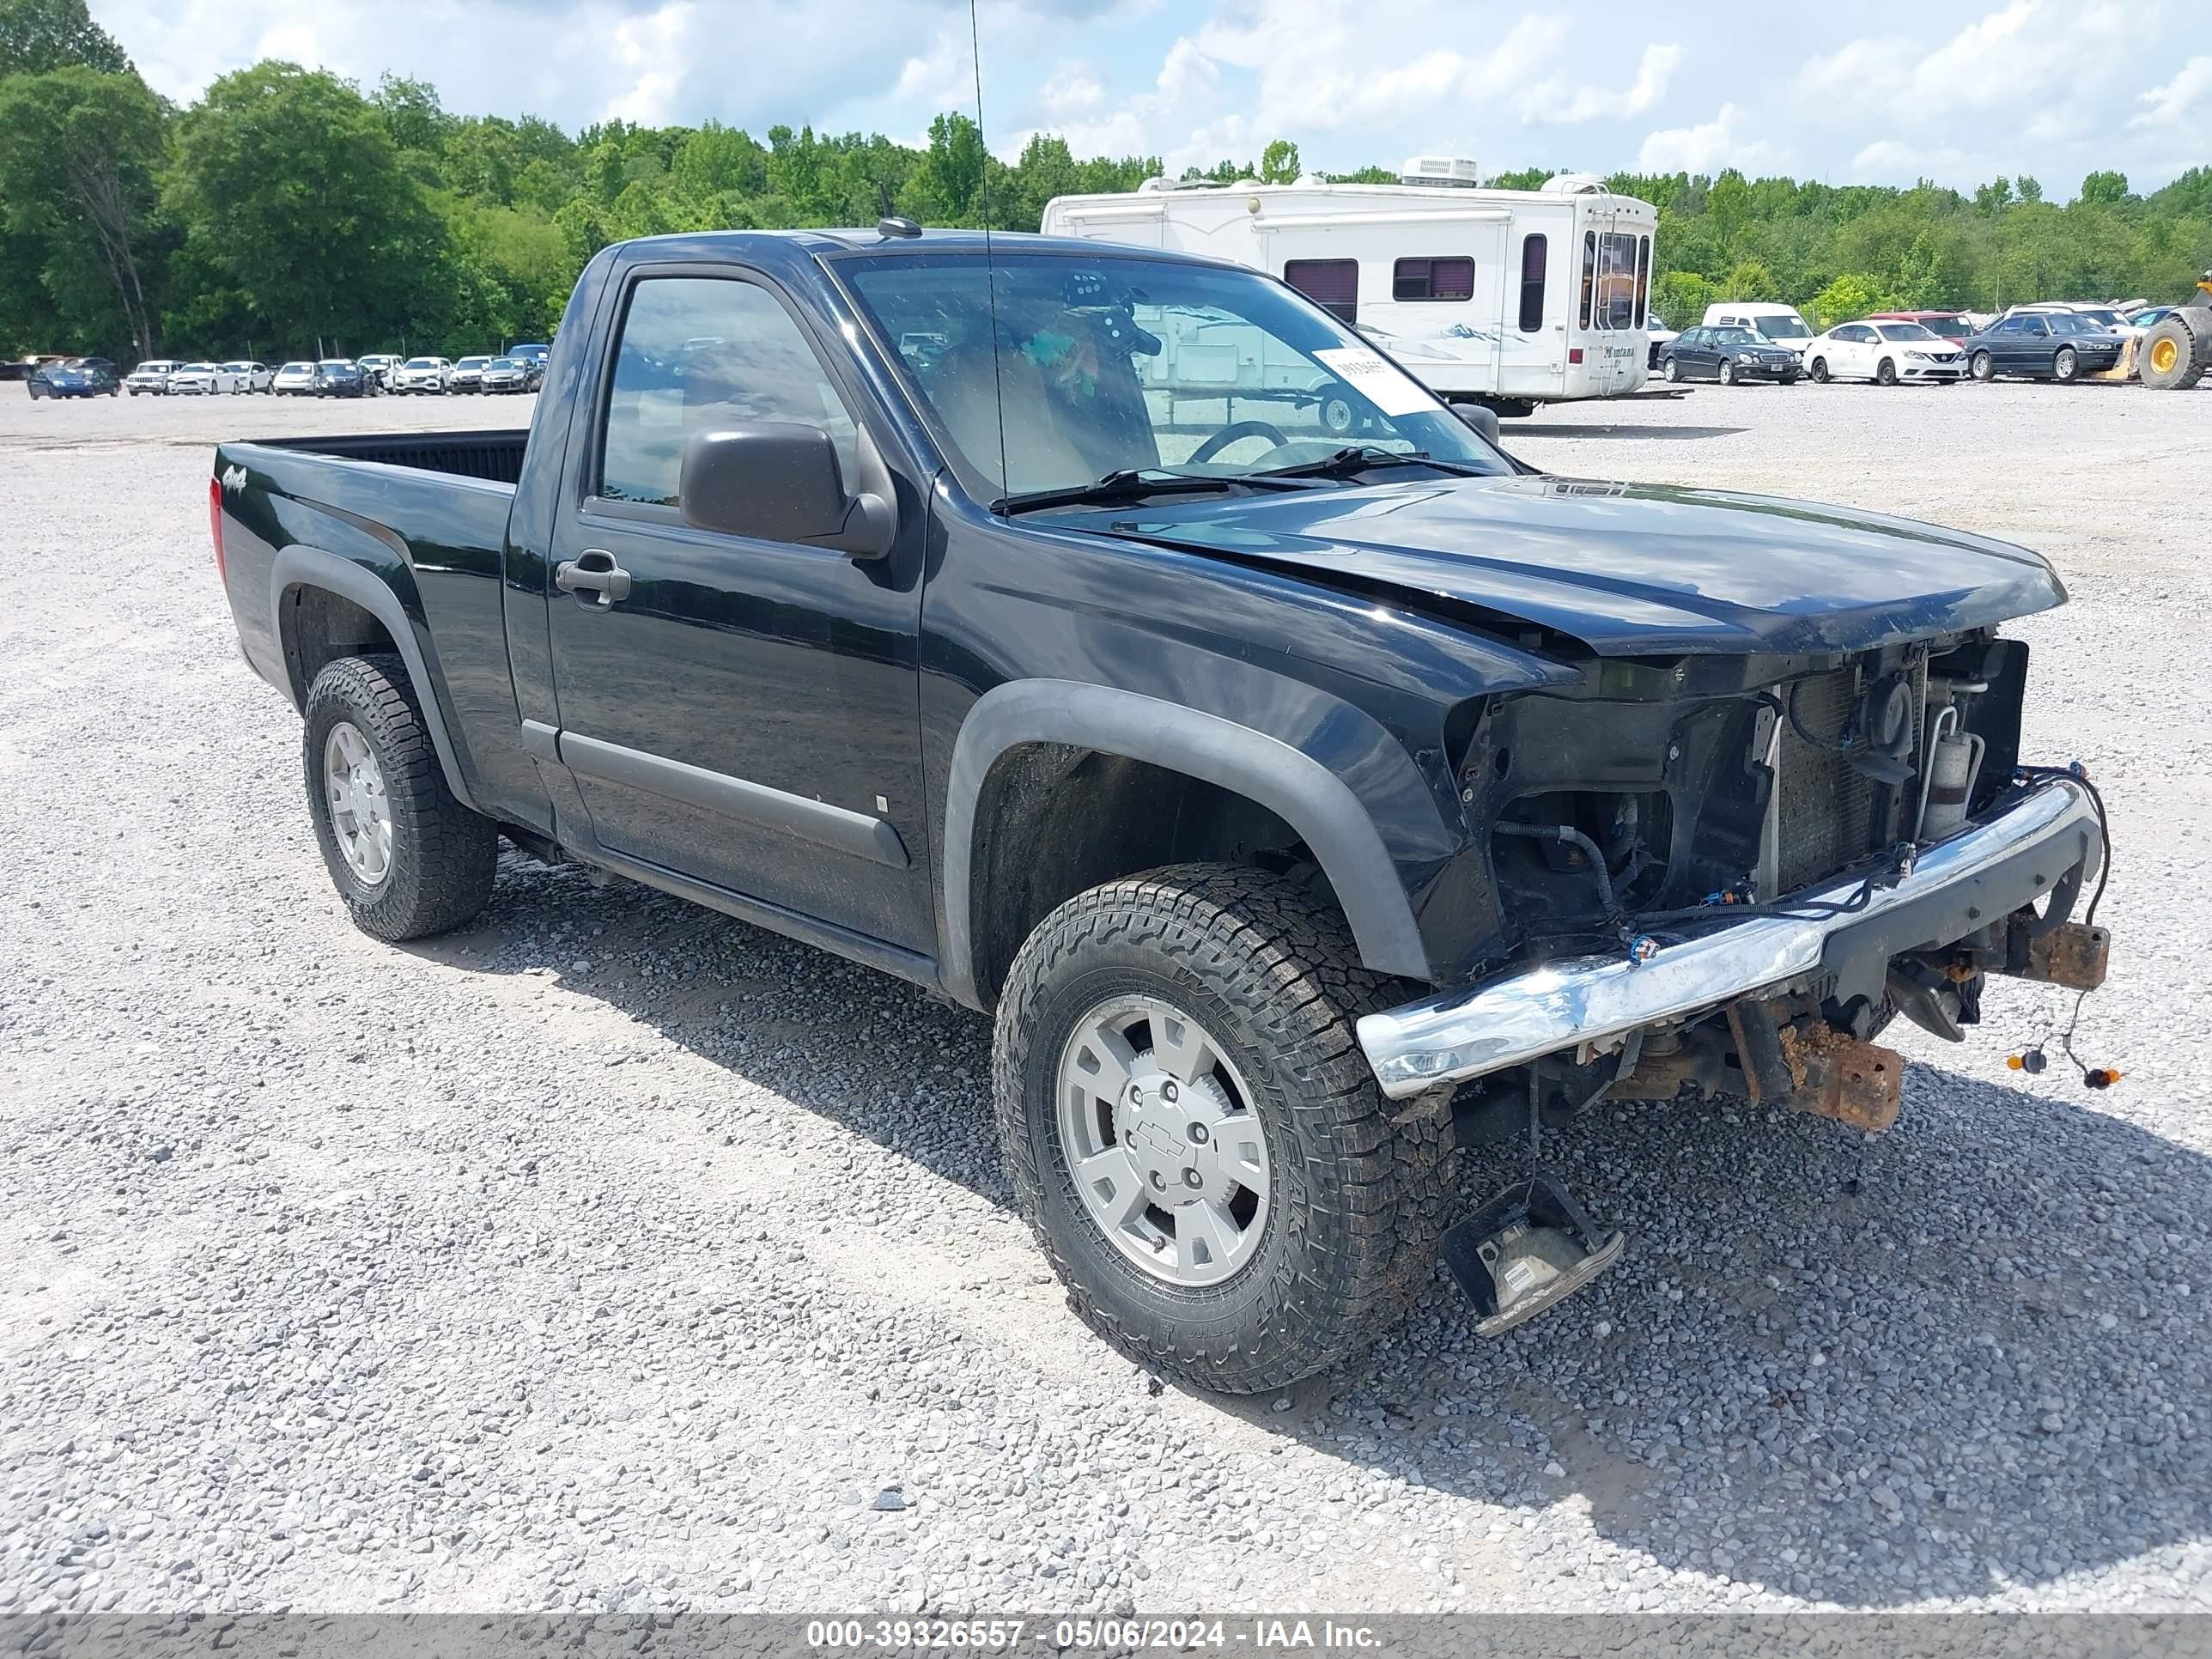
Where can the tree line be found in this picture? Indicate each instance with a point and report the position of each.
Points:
(290, 211)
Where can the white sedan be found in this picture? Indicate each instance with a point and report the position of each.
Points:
(192, 379)
(244, 377)
(295, 380)
(1888, 354)
(423, 374)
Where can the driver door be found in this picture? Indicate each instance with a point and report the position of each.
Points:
(737, 711)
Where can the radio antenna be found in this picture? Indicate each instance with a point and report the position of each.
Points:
(990, 267)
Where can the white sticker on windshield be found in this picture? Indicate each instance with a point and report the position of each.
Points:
(1383, 384)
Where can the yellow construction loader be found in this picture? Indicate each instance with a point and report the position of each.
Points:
(2176, 352)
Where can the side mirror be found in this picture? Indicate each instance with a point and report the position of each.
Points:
(1484, 421)
(778, 481)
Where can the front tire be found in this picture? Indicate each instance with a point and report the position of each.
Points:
(1726, 376)
(1819, 371)
(2066, 367)
(1194, 1137)
(1886, 373)
(1670, 371)
(407, 859)
(1983, 367)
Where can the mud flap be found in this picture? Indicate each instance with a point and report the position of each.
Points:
(1527, 1249)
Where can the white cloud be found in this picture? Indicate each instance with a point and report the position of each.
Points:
(1554, 103)
(2168, 105)
(1706, 147)
(650, 49)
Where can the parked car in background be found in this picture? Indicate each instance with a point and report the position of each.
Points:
(1661, 335)
(74, 377)
(336, 378)
(505, 374)
(532, 357)
(295, 380)
(468, 374)
(243, 376)
(1953, 326)
(1778, 325)
(21, 368)
(423, 374)
(1885, 353)
(2094, 312)
(2150, 316)
(193, 381)
(2051, 345)
(1727, 355)
(377, 366)
(150, 377)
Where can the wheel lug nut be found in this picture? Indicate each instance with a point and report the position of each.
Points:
(1190, 1179)
(1199, 1136)
(1159, 1181)
(1168, 1093)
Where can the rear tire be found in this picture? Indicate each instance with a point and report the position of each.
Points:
(437, 856)
(2176, 354)
(1261, 986)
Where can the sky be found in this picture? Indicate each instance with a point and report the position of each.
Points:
(1877, 93)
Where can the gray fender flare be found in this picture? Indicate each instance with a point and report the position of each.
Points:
(1298, 789)
(300, 566)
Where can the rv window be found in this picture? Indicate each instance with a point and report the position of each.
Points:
(1432, 279)
(1643, 280)
(1616, 304)
(1534, 253)
(1589, 272)
(1332, 284)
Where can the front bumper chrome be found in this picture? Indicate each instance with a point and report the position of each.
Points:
(1977, 876)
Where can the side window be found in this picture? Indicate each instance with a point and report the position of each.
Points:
(702, 351)
(1589, 273)
(1535, 252)
(1332, 284)
(1643, 280)
(2033, 326)
(1432, 279)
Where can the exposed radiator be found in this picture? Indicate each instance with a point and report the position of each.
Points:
(1824, 817)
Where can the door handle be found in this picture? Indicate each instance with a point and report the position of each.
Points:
(594, 577)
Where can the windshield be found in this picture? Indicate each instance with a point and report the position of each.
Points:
(1110, 365)
(1903, 331)
(502, 362)
(1736, 337)
(419, 362)
(1784, 328)
(2065, 322)
(472, 362)
(2099, 319)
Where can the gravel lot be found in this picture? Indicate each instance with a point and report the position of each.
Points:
(614, 1254)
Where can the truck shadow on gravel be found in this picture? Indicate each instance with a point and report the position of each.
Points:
(1968, 1356)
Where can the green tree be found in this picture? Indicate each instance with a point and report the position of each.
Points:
(79, 150)
(1849, 298)
(2109, 188)
(40, 36)
(295, 193)
(1681, 297)
(1279, 163)
(2030, 190)
(1748, 279)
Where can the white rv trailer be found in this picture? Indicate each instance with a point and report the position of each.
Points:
(1506, 298)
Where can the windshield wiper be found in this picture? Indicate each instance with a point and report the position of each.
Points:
(1356, 459)
(1127, 485)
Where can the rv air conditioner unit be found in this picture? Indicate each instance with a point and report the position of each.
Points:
(1451, 171)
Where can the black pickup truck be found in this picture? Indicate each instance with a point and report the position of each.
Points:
(1116, 642)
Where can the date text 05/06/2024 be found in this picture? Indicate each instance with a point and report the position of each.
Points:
(1118, 1635)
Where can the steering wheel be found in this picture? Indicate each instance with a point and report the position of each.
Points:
(1230, 434)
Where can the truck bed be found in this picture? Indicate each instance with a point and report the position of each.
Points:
(494, 457)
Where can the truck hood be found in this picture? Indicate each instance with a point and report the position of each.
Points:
(1628, 570)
